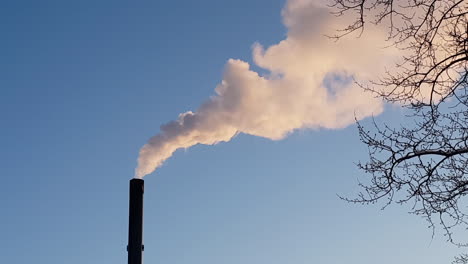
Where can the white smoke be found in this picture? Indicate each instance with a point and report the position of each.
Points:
(309, 85)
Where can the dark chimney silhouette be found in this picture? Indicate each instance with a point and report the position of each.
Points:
(135, 222)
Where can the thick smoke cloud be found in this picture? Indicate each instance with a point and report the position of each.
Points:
(309, 85)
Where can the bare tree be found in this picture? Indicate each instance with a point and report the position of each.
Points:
(425, 164)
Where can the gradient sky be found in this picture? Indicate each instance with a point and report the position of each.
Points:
(84, 84)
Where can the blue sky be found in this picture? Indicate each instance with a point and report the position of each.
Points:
(84, 84)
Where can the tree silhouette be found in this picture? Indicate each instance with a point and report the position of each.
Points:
(425, 164)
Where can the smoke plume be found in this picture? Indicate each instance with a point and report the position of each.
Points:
(309, 85)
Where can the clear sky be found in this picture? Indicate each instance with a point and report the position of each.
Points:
(84, 84)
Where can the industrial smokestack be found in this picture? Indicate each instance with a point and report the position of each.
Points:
(135, 222)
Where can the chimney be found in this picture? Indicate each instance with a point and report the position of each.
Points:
(135, 222)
